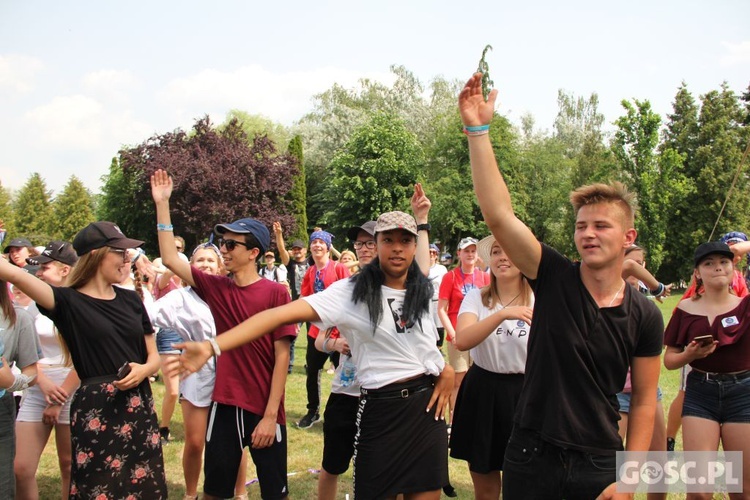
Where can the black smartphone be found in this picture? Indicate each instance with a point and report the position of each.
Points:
(123, 371)
(704, 340)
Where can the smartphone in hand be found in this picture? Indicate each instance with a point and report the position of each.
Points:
(124, 371)
(704, 340)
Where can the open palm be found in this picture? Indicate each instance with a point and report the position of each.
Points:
(474, 109)
(161, 186)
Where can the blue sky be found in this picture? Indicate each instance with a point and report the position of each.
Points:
(80, 79)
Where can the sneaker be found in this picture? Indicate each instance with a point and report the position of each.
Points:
(450, 491)
(164, 434)
(670, 444)
(308, 420)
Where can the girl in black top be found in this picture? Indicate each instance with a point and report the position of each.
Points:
(114, 430)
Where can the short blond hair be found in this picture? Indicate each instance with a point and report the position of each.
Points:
(614, 193)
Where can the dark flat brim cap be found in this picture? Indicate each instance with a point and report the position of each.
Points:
(17, 242)
(368, 227)
(102, 234)
(60, 251)
(711, 248)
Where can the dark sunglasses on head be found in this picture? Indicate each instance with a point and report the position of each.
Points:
(230, 245)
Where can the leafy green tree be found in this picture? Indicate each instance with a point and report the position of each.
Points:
(119, 200)
(253, 125)
(657, 180)
(33, 210)
(6, 211)
(73, 209)
(374, 173)
(298, 193)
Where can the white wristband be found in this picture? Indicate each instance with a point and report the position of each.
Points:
(214, 346)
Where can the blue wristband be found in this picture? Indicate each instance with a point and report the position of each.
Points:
(164, 227)
(478, 128)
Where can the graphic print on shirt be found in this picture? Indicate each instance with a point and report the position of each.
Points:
(397, 308)
(521, 329)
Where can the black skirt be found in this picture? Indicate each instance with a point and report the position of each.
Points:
(116, 444)
(483, 418)
(399, 447)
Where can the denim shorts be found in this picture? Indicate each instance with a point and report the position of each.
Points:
(624, 399)
(164, 340)
(723, 401)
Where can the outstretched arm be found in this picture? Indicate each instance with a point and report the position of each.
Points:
(195, 354)
(492, 193)
(161, 190)
(420, 206)
(39, 291)
(632, 268)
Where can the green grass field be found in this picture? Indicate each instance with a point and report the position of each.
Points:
(305, 446)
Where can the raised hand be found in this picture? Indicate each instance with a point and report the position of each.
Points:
(420, 204)
(471, 104)
(161, 186)
(277, 229)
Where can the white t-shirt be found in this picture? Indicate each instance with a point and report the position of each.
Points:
(436, 277)
(393, 351)
(504, 350)
(276, 273)
(183, 311)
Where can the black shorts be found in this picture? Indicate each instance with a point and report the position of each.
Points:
(483, 419)
(399, 447)
(229, 430)
(339, 429)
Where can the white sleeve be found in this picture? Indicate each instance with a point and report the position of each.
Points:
(472, 303)
(331, 304)
(163, 312)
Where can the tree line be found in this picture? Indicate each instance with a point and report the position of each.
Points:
(359, 150)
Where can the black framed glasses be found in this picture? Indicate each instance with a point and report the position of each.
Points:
(230, 245)
(369, 244)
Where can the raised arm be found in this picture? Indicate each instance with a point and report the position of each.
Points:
(420, 206)
(39, 291)
(633, 268)
(279, 236)
(161, 190)
(492, 193)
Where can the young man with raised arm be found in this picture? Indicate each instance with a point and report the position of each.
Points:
(248, 398)
(588, 328)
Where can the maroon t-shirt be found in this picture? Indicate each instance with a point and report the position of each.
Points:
(243, 375)
(730, 329)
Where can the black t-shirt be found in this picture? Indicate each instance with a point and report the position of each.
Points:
(101, 334)
(578, 357)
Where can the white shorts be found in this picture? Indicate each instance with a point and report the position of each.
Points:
(33, 403)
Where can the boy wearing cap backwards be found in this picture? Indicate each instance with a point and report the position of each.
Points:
(588, 328)
(248, 394)
(384, 314)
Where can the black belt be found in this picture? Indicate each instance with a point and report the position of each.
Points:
(99, 380)
(404, 393)
(723, 377)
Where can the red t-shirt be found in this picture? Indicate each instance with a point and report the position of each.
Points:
(330, 274)
(173, 284)
(243, 375)
(456, 285)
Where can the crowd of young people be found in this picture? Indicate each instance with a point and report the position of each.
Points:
(553, 363)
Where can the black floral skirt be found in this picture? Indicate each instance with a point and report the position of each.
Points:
(116, 445)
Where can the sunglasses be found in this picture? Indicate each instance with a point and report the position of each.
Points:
(230, 245)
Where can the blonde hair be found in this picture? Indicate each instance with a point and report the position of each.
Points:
(491, 298)
(614, 193)
(86, 268)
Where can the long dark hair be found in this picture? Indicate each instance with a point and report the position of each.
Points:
(367, 289)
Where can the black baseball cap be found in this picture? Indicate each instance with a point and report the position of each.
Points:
(298, 244)
(58, 250)
(368, 227)
(247, 226)
(711, 248)
(17, 242)
(102, 234)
